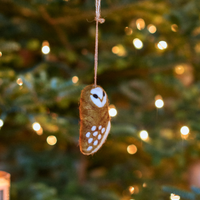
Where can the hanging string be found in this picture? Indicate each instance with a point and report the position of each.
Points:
(98, 20)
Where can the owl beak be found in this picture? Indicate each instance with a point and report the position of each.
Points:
(101, 99)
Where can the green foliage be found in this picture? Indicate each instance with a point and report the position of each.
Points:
(131, 77)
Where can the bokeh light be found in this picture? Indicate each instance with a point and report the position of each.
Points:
(112, 111)
(75, 79)
(174, 27)
(179, 69)
(19, 82)
(144, 135)
(40, 131)
(131, 189)
(45, 47)
(144, 185)
(159, 103)
(119, 50)
(151, 28)
(1, 122)
(115, 49)
(162, 45)
(51, 140)
(140, 24)
(36, 126)
(138, 44)
(174, 197)
(132, 149)
(184, 130)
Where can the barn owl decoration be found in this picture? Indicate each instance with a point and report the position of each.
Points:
(95, 120)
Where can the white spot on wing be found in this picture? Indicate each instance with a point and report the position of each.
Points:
(102, 130)
(90, 140)
(87, 134)
(105, 135)
(95, 142)
(93, 128)
(100, 127)
(89, 148)
(95, 133)
(99, 136)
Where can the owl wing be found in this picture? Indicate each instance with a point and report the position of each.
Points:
(92, 139)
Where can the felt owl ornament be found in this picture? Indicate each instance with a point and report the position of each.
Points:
(95, 120)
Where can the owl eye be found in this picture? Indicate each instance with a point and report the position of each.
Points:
(95, 96)
(104, 94)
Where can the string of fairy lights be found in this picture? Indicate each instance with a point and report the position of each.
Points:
(120, 50)
(137, 43)
(159, 102)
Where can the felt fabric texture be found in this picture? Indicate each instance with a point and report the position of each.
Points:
(95, 122)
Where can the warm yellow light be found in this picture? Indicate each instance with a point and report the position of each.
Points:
(159, 103)
(45, 43)
(144, 185)
(51, 140)
(112, 111)
(45, 47)
(140, 23)
(162, 45)
(138, 44)
(19, 82)
(40, 131)
(151, 28)
(144, 135)
(75, 79)
(0, 53)
(179, 69)
(119, 50)
(131, 189)
(128, 30)
(174, 27)
(184, 130)
(36, 126)
(174, 197)
(122, 51)
(1, 122)
(115, 49)
(132, 149)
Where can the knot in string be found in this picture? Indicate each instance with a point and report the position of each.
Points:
(100, 20)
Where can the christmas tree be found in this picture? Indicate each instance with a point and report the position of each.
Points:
(149, 67)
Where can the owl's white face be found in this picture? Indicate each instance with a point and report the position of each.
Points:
(98, 97)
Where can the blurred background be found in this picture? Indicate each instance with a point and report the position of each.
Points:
(149, 57)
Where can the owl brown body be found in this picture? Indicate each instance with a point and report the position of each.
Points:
(95, 122)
